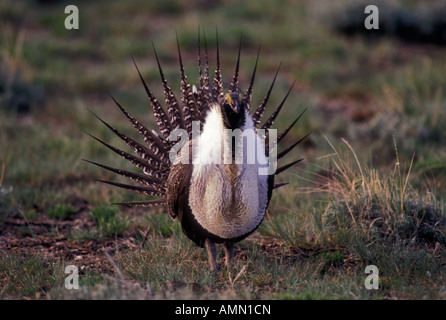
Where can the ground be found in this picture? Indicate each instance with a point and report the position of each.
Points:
(370, 190)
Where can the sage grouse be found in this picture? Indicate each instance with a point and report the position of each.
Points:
(222, 199)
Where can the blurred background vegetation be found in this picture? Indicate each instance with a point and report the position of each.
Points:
(382, 91)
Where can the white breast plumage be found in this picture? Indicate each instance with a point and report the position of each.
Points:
(228, 200)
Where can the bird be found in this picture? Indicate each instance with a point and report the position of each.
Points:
(209, 181)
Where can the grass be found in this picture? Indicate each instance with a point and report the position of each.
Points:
(108, 221)
(61, 212)
(370, 191)
(28, 276)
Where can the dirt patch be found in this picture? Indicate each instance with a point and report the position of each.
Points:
(53, 240)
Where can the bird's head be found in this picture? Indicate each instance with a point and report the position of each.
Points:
(233, 107)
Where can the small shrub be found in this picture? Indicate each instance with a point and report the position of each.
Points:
(381, 206)
(16, 94)
(422, 222)
(419, 221)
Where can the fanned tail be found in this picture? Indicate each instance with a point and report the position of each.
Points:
(161, 118)
(217, 84)
(206, 92)
(145, 190)
(187, 96)
(136, 161)
(268, 123)
(142, 178)
(248, 93)
(173, 107)
(152, 158)
(284, 133)
(144, 152)
(158, 145)
(199, 98)
(258, 113)
(234, 83)
(257, 117)
(148, 203)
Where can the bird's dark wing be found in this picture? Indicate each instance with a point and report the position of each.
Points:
(178, 190)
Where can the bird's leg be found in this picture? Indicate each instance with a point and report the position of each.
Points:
(212, 254)
(229, 252)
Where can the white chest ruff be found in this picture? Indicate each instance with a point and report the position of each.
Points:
(228, 200)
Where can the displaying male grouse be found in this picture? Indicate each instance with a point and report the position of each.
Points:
(223, 198)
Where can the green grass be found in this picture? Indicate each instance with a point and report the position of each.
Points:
(28, 276)
(370, 191)
(61, 212)
(109, 222)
